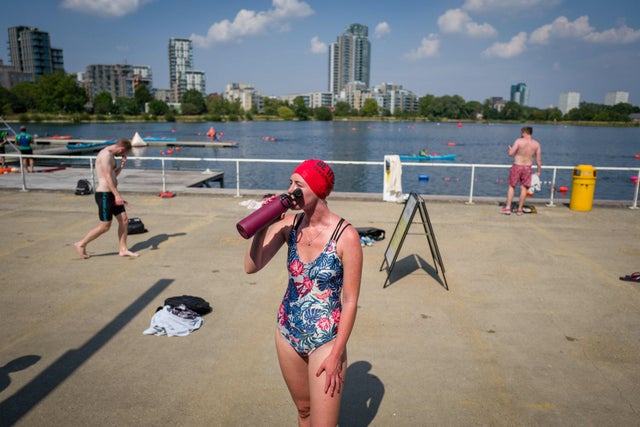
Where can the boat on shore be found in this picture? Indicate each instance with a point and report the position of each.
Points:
(426, 157)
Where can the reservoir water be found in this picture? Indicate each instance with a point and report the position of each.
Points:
(473, 143)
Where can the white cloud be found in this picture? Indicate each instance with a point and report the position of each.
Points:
(317, 46)
(484, 5)
(620, 35)
(428, 48)
(104, 7)
(382, 29)
(249, 23)
(514, 47)
(561, 27)
(457, 21)
(580, 29)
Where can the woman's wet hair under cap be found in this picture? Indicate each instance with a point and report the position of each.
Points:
(318, 175)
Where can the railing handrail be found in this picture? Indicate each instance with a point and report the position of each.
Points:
(238, 161)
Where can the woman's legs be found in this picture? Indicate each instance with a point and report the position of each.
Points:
(325, 409)
(307, 390)
(295, 372)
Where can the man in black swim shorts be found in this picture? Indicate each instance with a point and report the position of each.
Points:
(109, 200)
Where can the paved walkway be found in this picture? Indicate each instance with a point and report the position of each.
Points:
(535, 329)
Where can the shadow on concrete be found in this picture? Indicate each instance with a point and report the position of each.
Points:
(25, 399)
(154, 242)
(15, 365)
(411, 263)
(361, 397)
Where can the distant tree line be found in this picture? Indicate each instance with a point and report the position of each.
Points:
(58, 94)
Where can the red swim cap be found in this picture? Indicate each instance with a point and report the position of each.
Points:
(318, 176)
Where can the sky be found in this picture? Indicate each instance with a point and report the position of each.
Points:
(473, 48)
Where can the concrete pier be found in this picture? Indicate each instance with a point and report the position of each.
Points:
(535, 329)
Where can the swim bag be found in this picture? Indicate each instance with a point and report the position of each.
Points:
(191, 302)
(84, 187)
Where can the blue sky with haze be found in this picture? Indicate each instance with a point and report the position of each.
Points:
(472, 48)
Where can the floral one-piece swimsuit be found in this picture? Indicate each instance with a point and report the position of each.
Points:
(310, 311)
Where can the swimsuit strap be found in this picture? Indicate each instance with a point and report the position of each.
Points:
(297, 221)
(339, 230)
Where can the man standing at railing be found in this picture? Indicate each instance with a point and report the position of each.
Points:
(23, 141)
(524, 150)
(109, 200)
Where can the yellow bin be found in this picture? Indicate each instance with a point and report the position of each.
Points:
(583, 187)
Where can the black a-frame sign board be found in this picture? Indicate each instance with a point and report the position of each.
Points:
(414, 203)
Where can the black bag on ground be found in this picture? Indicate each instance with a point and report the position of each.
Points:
(83, 187)
(136, 226)
(375, 233)
(196, 304)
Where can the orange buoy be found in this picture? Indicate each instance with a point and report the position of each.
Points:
(637, 156)
(563, 189)
(451, 144)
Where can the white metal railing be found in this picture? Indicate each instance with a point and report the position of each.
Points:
(471, 166)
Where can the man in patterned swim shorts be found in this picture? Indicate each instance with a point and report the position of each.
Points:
(523, 151)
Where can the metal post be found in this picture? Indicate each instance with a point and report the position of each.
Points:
(93, 175)
(237, 178)
(24, 179)
(553, 188)
(473, 175)
(164, 180)
(635, 197)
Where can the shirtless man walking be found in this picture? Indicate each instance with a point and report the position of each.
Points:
(108, 198)
(523, 151)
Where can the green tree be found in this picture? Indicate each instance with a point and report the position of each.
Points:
(554, 114)
(300, 109)
(103, 104)
(24, 97)
(342, 109)
(488, 111)
(424, 105)
(57, 93)
(271, 105)
(370, 108)
(193, 103)
(125, 106)
(5, 101)
(142, 96)
(285, 113)
(217, 105)
(511, 111)
(323, 114)
(471, 110)
(158, 108)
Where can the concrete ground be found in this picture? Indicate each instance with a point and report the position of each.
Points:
(535, 329)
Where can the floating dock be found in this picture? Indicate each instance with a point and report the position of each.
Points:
(57, 146)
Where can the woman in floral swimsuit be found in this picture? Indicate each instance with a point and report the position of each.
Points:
(318, 310)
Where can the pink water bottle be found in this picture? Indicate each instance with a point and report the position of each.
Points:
(266, 214)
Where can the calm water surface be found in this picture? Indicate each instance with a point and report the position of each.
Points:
(371, 141)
